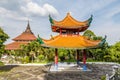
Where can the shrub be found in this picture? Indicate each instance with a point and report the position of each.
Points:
(25, 59)
(1, 63)
(41, 57)
(103, 78)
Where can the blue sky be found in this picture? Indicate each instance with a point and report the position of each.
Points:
(14, 15)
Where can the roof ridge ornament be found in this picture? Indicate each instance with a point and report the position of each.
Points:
(40, 40)
(90, 20)
(52, 37)
(28, 29)
(103, 41)
(50, 19)
(68, 13)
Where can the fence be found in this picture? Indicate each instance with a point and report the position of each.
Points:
(115, 75)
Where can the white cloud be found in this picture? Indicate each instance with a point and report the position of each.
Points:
(25, 9)
(11, 14)
(50, 9)
(33, 8)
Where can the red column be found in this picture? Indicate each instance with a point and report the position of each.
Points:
(84, 56)
(78, 32)
(60, 31)
(78, 57)
(56, 59)
(84, 60)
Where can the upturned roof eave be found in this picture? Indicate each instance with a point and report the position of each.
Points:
(70, 42)
(69, 19)
(62, 47)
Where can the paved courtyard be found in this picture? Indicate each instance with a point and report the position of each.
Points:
(41, 72)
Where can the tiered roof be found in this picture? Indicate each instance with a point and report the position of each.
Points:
(27, 35)
(15, 45)
(23, 38)
(69, 23)
(70, 41)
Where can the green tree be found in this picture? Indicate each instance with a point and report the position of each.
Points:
(3, 38)
(97, 53)
(38, 50)
(30, 48)
(114, 52)
(91, 35)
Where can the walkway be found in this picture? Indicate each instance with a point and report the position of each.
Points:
(40, 72)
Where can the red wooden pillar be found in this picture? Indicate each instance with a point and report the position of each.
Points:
(84, 60)
(56, 59)
(60, 31)
(78, 32)
(78, 57)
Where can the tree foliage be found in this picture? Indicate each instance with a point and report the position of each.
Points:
(104, 53)
(91, 35)
(34, 52)
(3, 38)
(114, 52)
(97, 53)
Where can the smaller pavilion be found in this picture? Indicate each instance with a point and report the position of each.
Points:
(69, 37)
(24, 38)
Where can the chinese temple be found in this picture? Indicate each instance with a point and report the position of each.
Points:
(24, 38)
(69, 37)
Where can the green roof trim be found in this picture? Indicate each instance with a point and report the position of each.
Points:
(90, 20)
(102, 41)
(51, 20)
(40, 40)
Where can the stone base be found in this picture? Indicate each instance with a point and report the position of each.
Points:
(68, 67)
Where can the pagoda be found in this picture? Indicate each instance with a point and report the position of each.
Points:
(24, 38)
(69, 37)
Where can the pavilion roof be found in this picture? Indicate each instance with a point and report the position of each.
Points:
(70, 41)
(70, 23)
(22, 39)
(27, 35)
(15, 45)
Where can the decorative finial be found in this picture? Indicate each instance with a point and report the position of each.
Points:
(28, 26)
(40, 40)
(69, 13)
(90, 20)
(103, 41)
(52, 37)
(28, 30)
(51, 20)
